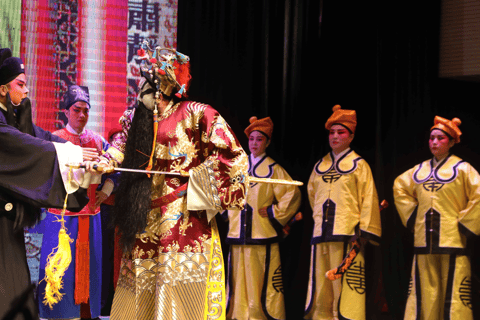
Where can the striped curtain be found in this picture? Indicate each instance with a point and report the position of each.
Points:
(90, 43)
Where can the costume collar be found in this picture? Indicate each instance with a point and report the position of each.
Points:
(446, 171)
(255, 160)
(345, 163)
(3, 107)
(341, 154)
(256, 169)
(72, 131)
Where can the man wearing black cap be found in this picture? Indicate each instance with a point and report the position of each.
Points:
(82, 281)
(32, 175)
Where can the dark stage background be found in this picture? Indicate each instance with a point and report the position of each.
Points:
(293, 60)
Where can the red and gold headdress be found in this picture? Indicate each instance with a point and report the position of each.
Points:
(168, 72)
(166, 69)
(448, 126)
(347, 118)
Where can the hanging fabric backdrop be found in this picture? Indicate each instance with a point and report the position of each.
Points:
(90, 43)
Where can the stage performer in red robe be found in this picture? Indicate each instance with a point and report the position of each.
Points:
(172, 267)
(82, 280)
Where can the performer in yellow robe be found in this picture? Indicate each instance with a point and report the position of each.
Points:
(344, 200)
(438, 201)
(172, 267)
(255, 284)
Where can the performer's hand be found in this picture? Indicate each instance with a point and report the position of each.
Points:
(100, 197)
(263, 212)
(89, 154)
(89, 166)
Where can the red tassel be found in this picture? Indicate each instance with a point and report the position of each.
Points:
(162, 72)
(82, 261)
(140, 52)
(153, 60)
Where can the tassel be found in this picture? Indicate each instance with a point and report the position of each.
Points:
(59, 261)
(155, 129)
(180, 92)
(57, 264)
(162, 68)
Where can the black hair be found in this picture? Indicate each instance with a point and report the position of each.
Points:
(132, 198)
(344, 127)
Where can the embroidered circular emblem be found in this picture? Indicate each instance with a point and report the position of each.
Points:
(331, 177)
(432, 185)
(9, 206)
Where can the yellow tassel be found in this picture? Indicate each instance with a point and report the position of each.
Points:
(155, 129)
(58, 262)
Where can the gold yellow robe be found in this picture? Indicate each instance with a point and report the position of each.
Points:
(254, 285)
(343, 198)
(439, 203)
(166, 274)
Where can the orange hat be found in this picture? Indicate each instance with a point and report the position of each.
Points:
(264, 125)
(448, 126)
(347, 118)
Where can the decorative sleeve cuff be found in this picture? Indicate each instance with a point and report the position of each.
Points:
(68, 153)
(202, 193)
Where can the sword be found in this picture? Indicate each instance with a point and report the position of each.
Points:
(185, 174)
(337, 272)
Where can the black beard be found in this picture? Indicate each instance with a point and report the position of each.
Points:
(133, 196)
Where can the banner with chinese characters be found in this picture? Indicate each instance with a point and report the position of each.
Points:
(89, 43)
(155, 21)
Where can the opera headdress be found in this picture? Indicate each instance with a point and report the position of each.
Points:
(264, 125)
(165, 69)
(346, 118)
(450, 127)
(73, 95)
(10, 67)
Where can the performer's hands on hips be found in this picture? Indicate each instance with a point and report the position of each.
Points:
(263, 212)
(89, 154)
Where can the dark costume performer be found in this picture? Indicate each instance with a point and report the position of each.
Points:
(438, 200)
(173, 268)
(109, 263)
(343, 197)
(31, 160)
(255, 283)
(82, 280)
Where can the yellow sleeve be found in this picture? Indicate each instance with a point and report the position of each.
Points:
(370, 223)
(288, 198)
(469, 217)
(311, 189)
(405, 196)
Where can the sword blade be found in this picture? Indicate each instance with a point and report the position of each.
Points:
(151, 172)
(249, 178)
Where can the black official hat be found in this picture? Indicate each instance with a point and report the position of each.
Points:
(74, 94)
(10, 67)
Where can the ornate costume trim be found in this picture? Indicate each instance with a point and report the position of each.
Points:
(445, 172)
(205, 176)
(215, 296)
(116, 154)
(253, 171)
(348, 163)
